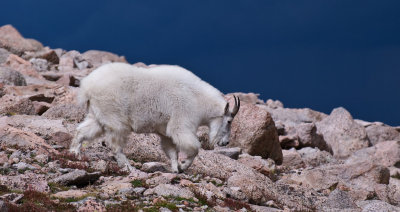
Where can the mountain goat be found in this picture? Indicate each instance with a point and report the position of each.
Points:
(167, 100)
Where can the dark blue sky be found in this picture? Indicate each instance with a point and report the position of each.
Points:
(316, 54)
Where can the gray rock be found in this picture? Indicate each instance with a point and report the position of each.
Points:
(292, 117)
(229, 152)
(9, 76)
(338, 200)
(315, 157)
(342, 133)
(22, 166)
(377, 205)
(153, 167)
(170, 190)
(3, 55)
(77, 177)
(40, 65)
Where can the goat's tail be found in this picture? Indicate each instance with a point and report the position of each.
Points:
(83, 100)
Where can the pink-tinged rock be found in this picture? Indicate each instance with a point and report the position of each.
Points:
(394, 191)
(209, 190)
(40, 107)
(3, 55)
(253, 130)
(250, 98)
(25, 68)
(70, 194)
(12, 105)
(12, 137)
(66, 62)
(342, 133)
(46, 53)
(170, 190)
(163, 178)
(92, 205)
(46, 128)
(26, 181)
(97, 58)
(377, 133)
(140, 64)
(69, 112)
(307, 136)
(360, 178)
(13, 41)
(145, 148)
(274, 104)
(68, 80)
(264, 166)
(9, 76)
(292, 159)
(3, 158)
(385, 153)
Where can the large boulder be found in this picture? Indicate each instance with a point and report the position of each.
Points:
(13, 41)
(385, 153)
(379, 133)
(253, 130)
(342, 133)
(12, 137)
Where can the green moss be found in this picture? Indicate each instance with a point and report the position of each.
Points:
(138, 183)
(55, 187)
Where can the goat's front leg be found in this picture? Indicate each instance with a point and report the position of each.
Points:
(188, 144)
(87, 130)
(170, 150)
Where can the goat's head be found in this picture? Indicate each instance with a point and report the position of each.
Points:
(222, 135)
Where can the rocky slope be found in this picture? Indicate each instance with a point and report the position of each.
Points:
(280, 159)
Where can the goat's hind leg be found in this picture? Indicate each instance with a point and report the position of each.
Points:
(117, 141)
(89, 129)
(170, 150)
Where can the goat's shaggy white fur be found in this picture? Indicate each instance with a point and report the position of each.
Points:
(167, 100)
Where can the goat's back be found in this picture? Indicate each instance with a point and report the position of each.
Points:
(147, 98)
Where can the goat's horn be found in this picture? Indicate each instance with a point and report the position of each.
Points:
(236, 107)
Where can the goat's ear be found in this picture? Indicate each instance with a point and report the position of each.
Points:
(226, 112)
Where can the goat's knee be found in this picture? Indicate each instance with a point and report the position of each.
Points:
(188, 144)
(87, 130)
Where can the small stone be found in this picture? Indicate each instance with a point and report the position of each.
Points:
(229, 152)
(42, 158)
(153, 167)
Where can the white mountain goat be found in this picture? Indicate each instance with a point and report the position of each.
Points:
(167, 100)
